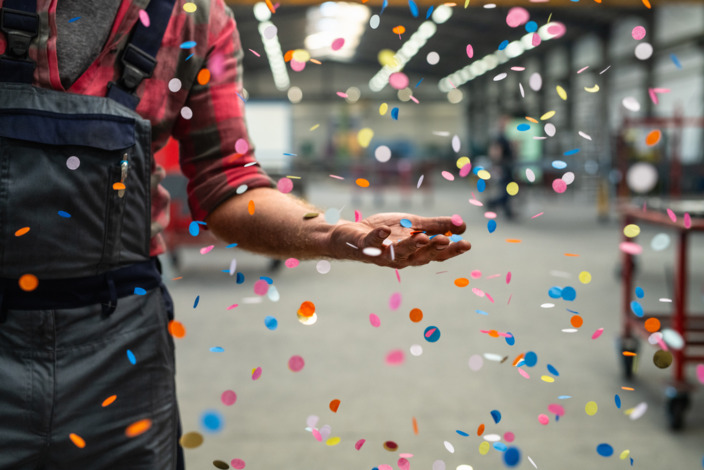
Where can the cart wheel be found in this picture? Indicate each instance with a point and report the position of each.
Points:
(677, 404)
(628, 362)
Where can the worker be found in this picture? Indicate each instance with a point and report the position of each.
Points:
(88, 92)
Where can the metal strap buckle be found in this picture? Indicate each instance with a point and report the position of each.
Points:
(20, 35)
(133, 73)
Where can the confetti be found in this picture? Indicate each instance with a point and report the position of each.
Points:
(109, 401)
(77, 440)
(138, 427)
(334, 405)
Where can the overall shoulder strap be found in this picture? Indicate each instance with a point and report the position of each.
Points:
(20, 23)
(139, 57)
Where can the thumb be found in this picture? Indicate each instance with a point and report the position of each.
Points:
(377, 236)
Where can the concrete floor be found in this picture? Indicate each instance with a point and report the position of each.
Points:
(345, 356)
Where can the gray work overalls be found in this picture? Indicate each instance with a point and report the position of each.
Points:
(84, 347)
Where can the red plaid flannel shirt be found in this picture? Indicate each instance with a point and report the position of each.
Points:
(207, 140)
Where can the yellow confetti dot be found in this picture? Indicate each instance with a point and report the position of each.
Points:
(624, 455)
(593, 89)
(591, 408)
(364, 137)
(631, 230)
(383, 108)
(203, 76)
(462, 161)
(547, 115)
(21, 231)
(387, 57)
(585, 277)
(250, 207)
(28, 282)
(118, 186)
(484, 447)
(483, 174)
(301, 55)
(190, 7)
(547, 378)
(362, 183)
(109, 400)
(512, 188)
(315, 127)
(191, 440)
(77, 440)
(333, 441)
(138, 427)
(561, 92)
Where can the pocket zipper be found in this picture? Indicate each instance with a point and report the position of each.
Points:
(124, 168)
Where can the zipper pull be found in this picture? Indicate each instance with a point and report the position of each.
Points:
(124, 167)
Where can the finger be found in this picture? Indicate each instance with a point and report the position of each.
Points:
(439, 249)
(376, 237)
(410, 245)
(438, 224)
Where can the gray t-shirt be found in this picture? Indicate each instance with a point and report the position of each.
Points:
(79, 42)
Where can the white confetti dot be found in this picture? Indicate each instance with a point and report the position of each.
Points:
(433, 58)
(416, 350)
(536, 82)
(73, 162)
(644, 51)
(323, 266)
(631, 104)
(382, 153)
(174, 85)
(371, 251)
(186, 113)
(450, 448)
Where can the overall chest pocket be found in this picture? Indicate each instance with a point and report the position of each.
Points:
(61, 176)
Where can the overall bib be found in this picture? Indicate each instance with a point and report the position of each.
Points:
(86, 360)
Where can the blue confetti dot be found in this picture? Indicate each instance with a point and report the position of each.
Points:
(194, 229)
(564, 397)
(559, 164)
(510, 340)
(394, 114)
(491, 225)
(555, 292)
(240, 278)
(496, 414)
(553, 371)
(414, 8)
(406, 223)
(271, 322)
(531, 26)
(212, 421)
(605, 450)
(432, 334)
(65, 214)
(231, 245)
(462, 433)
(571, 152)
(523, 127)
(481, 185)
(482, 312)
(572, 311)
(568, 293)
(139, 291)
(430, 11)
(268, 280)
(640, 293)
(195, 302)
(503, 44)
(217, 349)
(512, 457)
(74, 19)
(637, 308)
(419, 82)
(455, 238)
(531, 359)
(187, 44)
(131, 357)
(500, 446)
(677, 63)
(617, 400)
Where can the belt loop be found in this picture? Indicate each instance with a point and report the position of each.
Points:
(112, 303)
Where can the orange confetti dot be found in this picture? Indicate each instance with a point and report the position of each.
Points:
(203, 76)
(480, 430)
(118, 186)
(177, 329)
(334, 405)
(574, 255)
(138, 427)
(415, 426)
(518, 359)
(21, 231)
(77, 440)
(513, 240)
(28, 282)
(307, 309)
(461, 282)
(288, 56)
(314, 61)
(271, 7)
(533, 120)
(629, 353)
(493, 333)
(652, 325)
(250, 207)
(576, 321)
(628, 389)
(416, 315)
(646, 3)
(653, 138)
(399, 29)
(109, 400)
(362, 183)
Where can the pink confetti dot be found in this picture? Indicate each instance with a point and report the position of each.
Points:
(357, 216)
(241, 146)
(398, 80)
(559, 186)
(337, 44)
(687, 221)
(237, 464)
(631, 248)
(509, 436)
(556, 409)
(297, 66)
(291, 263)
(672, 215)
(285, 185)
(448, 176)
(476, 202)
(374, 320)
(517, 16)
(144, 18)
(476, 274)
(465, 170)
(700, 373)
(395, 301)
(228, 398)
(342, 94)
(403, 464)
(524, 374)
(296, 363)
(557, 30)
(395, 357)
(358, 445)
(490, 215)
(543, 419)
(597, 333)
(508, 277)
(257, 373)
(316, 434)
(638, 33)
(207, 249)
(536, 40)
(478, 292)
(261, 287)
(456, 220)
(470, 51)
